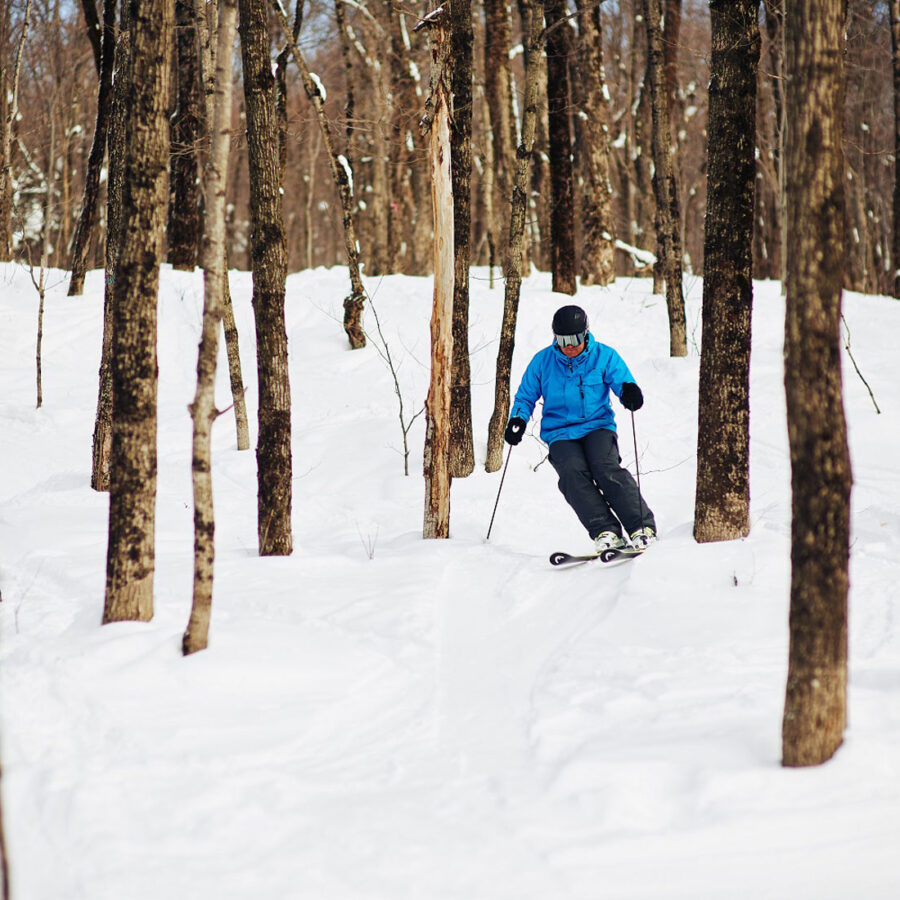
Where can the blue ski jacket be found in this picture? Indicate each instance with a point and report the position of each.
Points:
(575, 391)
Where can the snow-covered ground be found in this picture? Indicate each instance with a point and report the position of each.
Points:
(380, 717)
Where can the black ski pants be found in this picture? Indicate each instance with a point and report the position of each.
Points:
(595, 485)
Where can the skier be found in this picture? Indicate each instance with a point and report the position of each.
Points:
(574, 375)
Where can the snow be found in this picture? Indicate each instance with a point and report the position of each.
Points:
(379, 717)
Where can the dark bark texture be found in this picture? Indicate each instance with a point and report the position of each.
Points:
(895, 53)
(722, 510)
(269, 260)
(82, 239)
(598, 250)
(132, 501)
(184, 231)
(462, 452)
(668, 240)
(815, 703)
(562, 214)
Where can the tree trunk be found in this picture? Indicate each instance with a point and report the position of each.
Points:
(103, 424)
(895, 57)
(462, 452)
(562, 214)
(499, 95)
(206, 56)
(132, 500)
(184, 229)
(518, 214)
(815, 711)
(437, 403)
(668, 242)
(353, 303)
(81, 243)
(215, 277)
(598, 251)
(722, 510)
(273, 449)
(9, 86)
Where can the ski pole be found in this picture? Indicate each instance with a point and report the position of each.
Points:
(637, 469)
(494, 513)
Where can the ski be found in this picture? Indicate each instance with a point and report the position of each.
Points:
(605, 556)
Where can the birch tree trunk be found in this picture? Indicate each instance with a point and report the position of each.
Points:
(131, 549)
(82, 239)
(815, 709)
(215, 280)
(437, 404)
(206, 57)
(273, 448)
(668, 241)
(722, 509)
(518, 214)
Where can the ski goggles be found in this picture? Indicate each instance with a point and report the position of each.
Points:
(570, 340)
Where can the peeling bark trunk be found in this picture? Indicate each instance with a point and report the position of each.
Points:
(722, 509)
(273, 448)
(518, 214)
(132, 501)
(815, 710)
(437, 404)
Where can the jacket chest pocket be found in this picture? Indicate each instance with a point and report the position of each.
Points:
(594, 394)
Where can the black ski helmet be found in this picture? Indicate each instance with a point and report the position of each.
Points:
(570, 320)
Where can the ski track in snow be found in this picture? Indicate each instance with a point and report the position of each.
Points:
(379, 717)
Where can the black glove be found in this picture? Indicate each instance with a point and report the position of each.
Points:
(631, 398)
(515, 429)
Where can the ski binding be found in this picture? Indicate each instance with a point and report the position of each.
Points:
(605, 556)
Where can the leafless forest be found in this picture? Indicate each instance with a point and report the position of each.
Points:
(374, 69)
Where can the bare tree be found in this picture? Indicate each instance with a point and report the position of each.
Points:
(722, 510)
(341, 175)
(130, 557)
(562, 214)
(437, 404)
(668, 240)
(815, 710)
(518, 213)
(215, 277)
(81, 242)
(184, 229)
(462, 452)
(273, 449)
(895, 57)
(9, 85)
(498, 88)
(598, 252)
